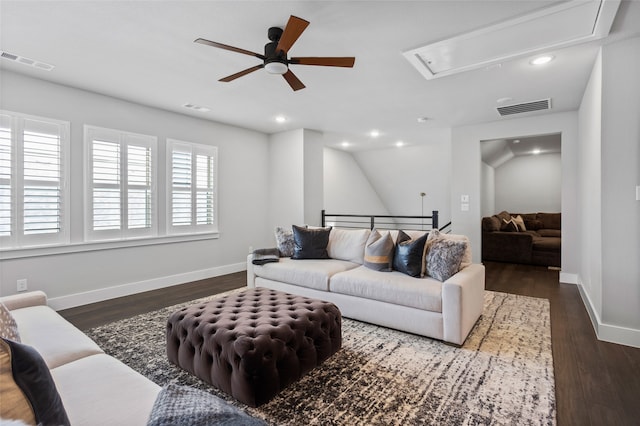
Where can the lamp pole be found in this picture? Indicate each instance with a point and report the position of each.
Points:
(422, 194)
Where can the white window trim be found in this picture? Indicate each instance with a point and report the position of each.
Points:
(193, 148)
(124, 138)
(18, 240)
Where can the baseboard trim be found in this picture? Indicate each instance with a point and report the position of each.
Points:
(93, 296)
(568, 278)
(607, 332)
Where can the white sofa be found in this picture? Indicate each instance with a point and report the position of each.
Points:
(95, 388)
(441, 310)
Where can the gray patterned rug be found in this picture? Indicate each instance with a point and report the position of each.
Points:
(503, 375)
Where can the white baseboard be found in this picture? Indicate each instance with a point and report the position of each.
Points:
(607, 332)
(568, 278)
(93, 296)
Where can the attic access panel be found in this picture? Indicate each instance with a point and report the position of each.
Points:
(553, 27)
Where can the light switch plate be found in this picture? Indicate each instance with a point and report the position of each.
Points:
(464, 198)
(464, 207)
(638, 193)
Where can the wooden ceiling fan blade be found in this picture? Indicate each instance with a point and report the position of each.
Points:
(227, 47)
(325, 61)
(241, 73)
(292, 31)
(293, 81)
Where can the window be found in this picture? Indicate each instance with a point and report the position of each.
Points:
(120, 177)
(33, 181)
(191, 179)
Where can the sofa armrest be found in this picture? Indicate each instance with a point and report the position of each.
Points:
(251, 277)
(462, 302)
(516, 247)
(24, 300)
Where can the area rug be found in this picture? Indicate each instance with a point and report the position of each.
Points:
(502, 375)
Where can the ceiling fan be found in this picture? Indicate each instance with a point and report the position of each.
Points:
(275, 59)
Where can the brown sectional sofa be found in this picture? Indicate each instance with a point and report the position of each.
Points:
(538, 244)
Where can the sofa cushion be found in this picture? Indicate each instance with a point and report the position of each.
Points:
(491, 224)
(28, 390)
(8, 326)
(407, 257)
(444, 258)
(100, 390)
(393, 287)
(550, 220)
(347, 244)
(552, 244)
(549, 233)
(310, 243)
(284, 241)
(311, 273)
(38, 323)
(378, 251)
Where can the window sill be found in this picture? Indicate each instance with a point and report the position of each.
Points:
(82, 247)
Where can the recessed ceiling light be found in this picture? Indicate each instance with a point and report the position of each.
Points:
(503, 100)
(281, 119)
(423, 119)
(399, 144)
(516, 141)
(536, 151)
(345, 144)
(374, 133)
(541, 60)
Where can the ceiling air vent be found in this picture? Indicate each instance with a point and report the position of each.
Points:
(524, 107)
(26, 61)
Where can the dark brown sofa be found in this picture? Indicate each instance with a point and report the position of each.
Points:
(539, 243)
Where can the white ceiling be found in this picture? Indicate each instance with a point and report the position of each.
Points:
(143, 51)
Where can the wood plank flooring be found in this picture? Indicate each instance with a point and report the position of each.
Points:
(597, 383)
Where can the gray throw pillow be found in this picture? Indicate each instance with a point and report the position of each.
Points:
(378, 251)
(284, 241)
(182, 405)
(310, 243)
(444, 257)
(408, 254)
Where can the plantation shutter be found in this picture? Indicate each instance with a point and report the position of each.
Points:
(193, 187)
(121, 184)
(6, 176)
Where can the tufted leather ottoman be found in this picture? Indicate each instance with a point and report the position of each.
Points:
(254, 343)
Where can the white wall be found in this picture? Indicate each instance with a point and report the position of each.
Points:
(590, 190)
(488, 190)
(399, 175)
(466, 176)
(286, 179)
(346, 189)
(529, 184)
(76, 278)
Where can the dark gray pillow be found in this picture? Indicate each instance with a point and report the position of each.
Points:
(284, 241)
(310, 243)
(32, 376)
(408, 254)
(378, 251)
(182, 405)
(444, 258)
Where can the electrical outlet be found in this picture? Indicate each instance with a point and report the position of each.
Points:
(22, 284)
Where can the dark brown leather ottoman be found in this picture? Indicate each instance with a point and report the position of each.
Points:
(254, 343)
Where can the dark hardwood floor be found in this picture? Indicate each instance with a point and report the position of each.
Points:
(597, 383)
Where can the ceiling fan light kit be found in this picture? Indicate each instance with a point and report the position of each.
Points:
(275, 59)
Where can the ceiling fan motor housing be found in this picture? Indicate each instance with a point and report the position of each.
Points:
(274, 62)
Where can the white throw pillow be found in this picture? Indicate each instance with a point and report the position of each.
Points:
(348, 244)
